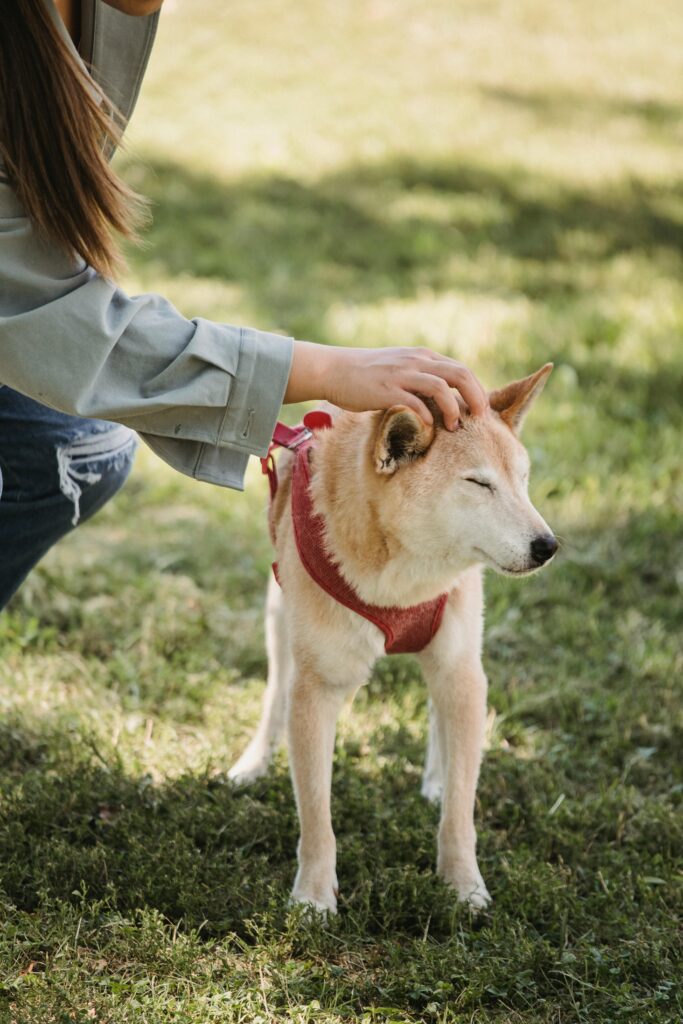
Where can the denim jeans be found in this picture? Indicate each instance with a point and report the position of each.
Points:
(56, 471)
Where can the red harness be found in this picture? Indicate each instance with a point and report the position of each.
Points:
(406, 630)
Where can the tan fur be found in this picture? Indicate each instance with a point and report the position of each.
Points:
(405, 522)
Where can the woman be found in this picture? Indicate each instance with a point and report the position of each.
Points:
(82, 364)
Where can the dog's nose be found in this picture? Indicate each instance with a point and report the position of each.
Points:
(543, 548)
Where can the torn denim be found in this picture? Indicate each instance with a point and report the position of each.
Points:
(56, 471)
(82, 460)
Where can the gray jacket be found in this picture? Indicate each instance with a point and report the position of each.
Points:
(203, 395)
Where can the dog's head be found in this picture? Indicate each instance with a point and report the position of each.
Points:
(461, 497)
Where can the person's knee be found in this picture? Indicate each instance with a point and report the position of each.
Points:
(92, 468)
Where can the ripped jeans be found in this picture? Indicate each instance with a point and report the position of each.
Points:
(56, 472)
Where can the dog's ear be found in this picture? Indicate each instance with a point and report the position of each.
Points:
(401, 437)
(514, 400)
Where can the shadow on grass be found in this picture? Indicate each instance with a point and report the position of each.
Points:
(636, 394)
(585, 885)
(199, 850)
(79, 830)
(203, 854)
(194, 848)
(567, 107)
(370, 232)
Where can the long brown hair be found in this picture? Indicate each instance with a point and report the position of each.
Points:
(56, 130)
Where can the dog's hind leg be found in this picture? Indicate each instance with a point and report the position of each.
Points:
(256, 758)
(432, 776)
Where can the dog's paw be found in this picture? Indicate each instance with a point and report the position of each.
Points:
(475, 894)
(325, 908)
(324, 903)
(247, 770)
(469, 885)
(431, 789)
(316, 891)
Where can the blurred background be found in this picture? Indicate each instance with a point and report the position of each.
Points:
(501, 181)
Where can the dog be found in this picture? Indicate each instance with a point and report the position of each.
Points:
(408, 516)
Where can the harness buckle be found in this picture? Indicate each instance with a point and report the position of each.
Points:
(296, 442)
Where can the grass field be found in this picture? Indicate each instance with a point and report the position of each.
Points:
(499, 180)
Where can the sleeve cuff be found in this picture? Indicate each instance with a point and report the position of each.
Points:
(259, 375)
(257, 391)
(201, 461)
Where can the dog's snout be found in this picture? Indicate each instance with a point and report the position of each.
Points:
(543, 548)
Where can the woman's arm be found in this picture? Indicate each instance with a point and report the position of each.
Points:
(204, 395)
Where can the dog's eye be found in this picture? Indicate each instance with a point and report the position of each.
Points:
(479, 483)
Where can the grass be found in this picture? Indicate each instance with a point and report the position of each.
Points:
(502, 182)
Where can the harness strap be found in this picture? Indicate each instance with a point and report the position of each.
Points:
(406, 630)
(291, 438)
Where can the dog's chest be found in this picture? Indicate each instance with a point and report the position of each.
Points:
(345, 646)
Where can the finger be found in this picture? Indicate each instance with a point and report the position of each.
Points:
(471, 390)
(437, 388)
(417, 405)
(460, 377)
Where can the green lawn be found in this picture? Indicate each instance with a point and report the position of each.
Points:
(502, 181)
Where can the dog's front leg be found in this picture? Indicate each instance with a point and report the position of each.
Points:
(459, 708)
(432, 776)
(313, 711)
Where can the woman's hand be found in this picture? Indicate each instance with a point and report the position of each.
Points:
(358, 379)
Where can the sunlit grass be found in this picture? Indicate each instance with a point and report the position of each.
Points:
(500, 181)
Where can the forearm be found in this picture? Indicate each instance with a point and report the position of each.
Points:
(72, 340)
(313, 367)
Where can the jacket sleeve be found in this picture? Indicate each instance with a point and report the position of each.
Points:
(203, 395)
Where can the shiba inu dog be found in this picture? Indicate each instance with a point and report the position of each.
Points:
(408, 515)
